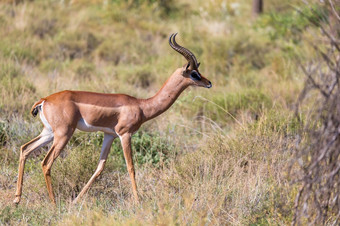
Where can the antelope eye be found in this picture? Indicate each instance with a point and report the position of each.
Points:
(195, 76)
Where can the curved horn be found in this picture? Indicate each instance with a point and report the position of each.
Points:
(185, 52)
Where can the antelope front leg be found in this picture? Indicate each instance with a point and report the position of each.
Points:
(108, 139)
(126, 144)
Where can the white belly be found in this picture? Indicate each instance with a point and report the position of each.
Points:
(84, 126)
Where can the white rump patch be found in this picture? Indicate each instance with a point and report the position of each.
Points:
(42, 117)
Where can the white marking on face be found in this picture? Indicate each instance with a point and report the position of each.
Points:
(84, 126)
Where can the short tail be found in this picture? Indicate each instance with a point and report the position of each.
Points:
(36, 107)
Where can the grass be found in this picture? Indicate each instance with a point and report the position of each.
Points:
(217, 156)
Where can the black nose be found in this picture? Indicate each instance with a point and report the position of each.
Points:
(210, 85)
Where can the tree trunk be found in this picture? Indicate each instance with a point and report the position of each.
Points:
(257, 7)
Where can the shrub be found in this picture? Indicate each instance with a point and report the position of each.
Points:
(151, 149)
(317, 155)
(289, 25)
(77, 44)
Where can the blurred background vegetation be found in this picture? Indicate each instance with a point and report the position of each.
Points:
(217, 156)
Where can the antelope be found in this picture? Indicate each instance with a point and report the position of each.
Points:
(117, 115)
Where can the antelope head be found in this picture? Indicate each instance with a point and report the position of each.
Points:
(190, 70)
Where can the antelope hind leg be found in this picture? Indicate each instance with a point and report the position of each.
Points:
(43, 139)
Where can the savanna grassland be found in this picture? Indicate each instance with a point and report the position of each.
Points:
(217, 156)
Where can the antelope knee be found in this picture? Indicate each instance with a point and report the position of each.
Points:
(45, 168)
(131, 170)
(101, 166)
(22, 152)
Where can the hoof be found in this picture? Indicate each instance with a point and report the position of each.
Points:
(75, 201)
(16, 200)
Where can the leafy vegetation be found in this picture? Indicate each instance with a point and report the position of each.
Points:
(217, 156)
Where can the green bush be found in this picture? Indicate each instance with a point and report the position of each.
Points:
(290, 25)
(148, 149)
(72, 45)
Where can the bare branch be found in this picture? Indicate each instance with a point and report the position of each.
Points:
(334, 11)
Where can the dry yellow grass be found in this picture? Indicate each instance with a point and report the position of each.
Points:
(218, 156)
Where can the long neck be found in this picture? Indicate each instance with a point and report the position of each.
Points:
(164, 98)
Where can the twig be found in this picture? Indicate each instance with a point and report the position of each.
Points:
(334, 11)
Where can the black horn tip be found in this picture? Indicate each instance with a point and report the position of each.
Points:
(174, 40)
(170, 38)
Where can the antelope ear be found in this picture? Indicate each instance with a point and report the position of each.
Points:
(198, 65)
(188, 65)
